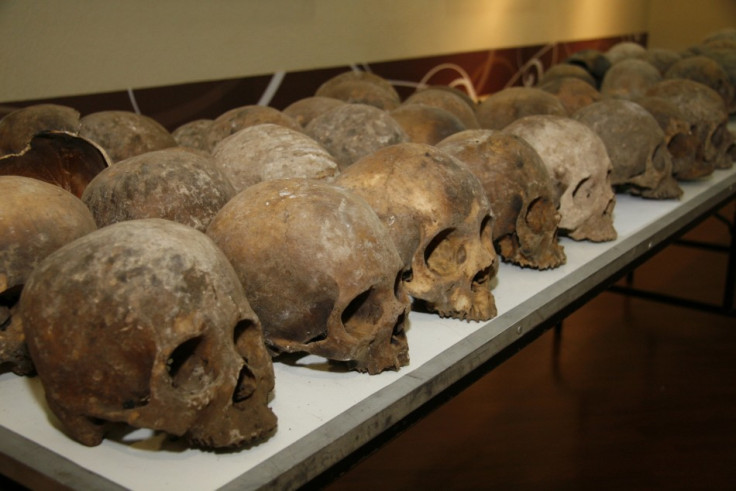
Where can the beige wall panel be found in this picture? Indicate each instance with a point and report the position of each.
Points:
(72, 47)
(678, 24)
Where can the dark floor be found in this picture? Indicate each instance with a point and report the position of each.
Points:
(641, 396)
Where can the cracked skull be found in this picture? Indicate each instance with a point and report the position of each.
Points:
(441, 223)
(321, 272)
(145, 322)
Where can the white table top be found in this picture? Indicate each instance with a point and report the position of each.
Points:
(324, 415)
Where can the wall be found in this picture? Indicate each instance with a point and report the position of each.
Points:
(678, 24)
(52, 49)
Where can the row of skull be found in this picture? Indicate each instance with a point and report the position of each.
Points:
(186, 261)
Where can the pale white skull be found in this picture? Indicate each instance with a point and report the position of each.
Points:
(636, 144)
(270, 151)
(144, 322)
(320, 270)
(520, 191)
(440, 219)
(578, 163)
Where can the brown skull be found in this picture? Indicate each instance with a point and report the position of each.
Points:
(351, 131)
(426, 124)
(306, 109)
(629, 78)
(194, 134)
(124, 134)
(520, 191)
(502, 108)
(236, 119)
(18, 127)
(636, 145)
(706, 71)
(177, 183)
(706, 113)
(439, 217)
(449, 99)
(581, 173)
(36, 219)
(320, 271)
(145, 322)
(682, 143)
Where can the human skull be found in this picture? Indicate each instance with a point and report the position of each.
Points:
(625, 50)
(145, 322)
(18, 127)
(581, 172)
(306, 109)
(59, 158)
(193, 134)
(636, 145)
(706, 113)
(426, 124)
(361, 87)
(449, 99)
(176, 183)
(572, 92)
(707, 71)
(270, 151)
(439, 217)
(629, 78)
(500, 109)
(124, 134)
(593, 61)
(567, 70)
(320, 270)
(236, 119)
(36, 219)
(682, 143)
(351, 131)
(520, 191)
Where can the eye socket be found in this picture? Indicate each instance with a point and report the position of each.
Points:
(361, 314)
(442, 255)
(583, 189)
(186, 366)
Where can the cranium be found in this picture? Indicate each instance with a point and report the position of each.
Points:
(177, 183)
(440, 219)
(59, 158)
(358, 86)
(320, 271)
(505, 106)
(572, 92)
(567, 70)
(351, 131)
(144, 322)
(581, 172)
(521, 193)
(236, 119)
(593, 61)
(36, 219)
(682, 143)
(629, 78)
(707, 71)
(450, 99)
(636, 145)
(306, 109)
(124, 134)
(270, 151)
(625, 50)
(706, 113)
(193, 134)
(426, 124)
(18, 127)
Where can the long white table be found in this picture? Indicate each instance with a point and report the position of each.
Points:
(326, 415)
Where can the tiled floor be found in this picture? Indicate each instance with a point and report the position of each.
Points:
(641, 395)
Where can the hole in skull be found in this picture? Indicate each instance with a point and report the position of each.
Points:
(186, 365)
(679, 144)
(443, 254)
(659, 158)
(8, 299)
(486, 232)
(404, 276)
(398, 329)
(583, 189)
(246, 385)
(361, 312)
(718, 136)
(245, 333)
(481, 277)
